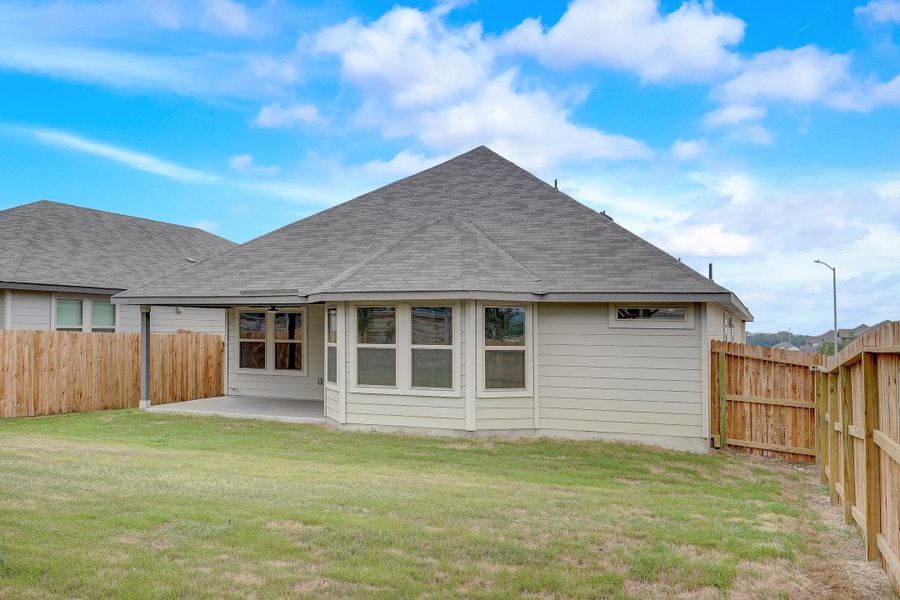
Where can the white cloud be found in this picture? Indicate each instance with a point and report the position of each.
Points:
(705, 240)
(734, 114)
(880, 11)
(276, 115)
(404, 163)
(244, 163)
(225, 16)
(206, 225)
(409, 56)
(690, 43)
(688, 149)
(739, 188)
(527, 127)
(135, 160)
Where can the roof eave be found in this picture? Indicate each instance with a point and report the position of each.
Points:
(53, 287)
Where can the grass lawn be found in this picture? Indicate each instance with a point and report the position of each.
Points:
(127, 504)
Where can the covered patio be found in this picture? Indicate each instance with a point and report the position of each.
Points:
(249, 407)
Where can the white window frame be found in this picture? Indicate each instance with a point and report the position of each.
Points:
(336, 345)
(403, 345)
(354, 335)
(86, 312)
(526, 391)
(686, 323)
(454, 356)
(270, 340)
(104, 329)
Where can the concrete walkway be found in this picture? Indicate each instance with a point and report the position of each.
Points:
(247, 407)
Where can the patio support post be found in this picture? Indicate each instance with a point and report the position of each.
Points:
(145, 357)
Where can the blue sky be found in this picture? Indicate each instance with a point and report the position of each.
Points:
(753, 135)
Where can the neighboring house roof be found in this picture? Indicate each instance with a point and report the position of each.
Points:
(477, 224)
(785, 346)
(60, 245)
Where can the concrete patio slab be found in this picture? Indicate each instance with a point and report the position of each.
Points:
(248, 407)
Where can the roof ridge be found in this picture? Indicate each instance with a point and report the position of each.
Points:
(496, 247)
(25, 242)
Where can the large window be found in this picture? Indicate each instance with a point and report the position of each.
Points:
(376, 345)
(103, 316)
(69, 315)
(289, 341)
(432, 346)
(505, 347)
(331, 345)
(252, 335)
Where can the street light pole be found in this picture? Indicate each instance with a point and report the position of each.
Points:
(834, 299)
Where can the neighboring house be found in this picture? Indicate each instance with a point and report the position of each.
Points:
(471, 298)
(785, 346)
(60, 264)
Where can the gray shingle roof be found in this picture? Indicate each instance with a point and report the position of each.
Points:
(475, 223)
(49, 243)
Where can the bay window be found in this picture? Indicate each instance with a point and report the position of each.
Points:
(376, 346)
(505, 348)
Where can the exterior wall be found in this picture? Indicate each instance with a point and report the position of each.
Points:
(718, 329)
(2, 309)
(405, 407)
(33, 310)
(280, 385)
(619, 383)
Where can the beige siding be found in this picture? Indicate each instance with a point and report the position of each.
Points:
(718, 329)
(332, 408)
(627, 383)
(2, 309)
(279, 385)
(412, 409)
(30, 310)
(169, 319)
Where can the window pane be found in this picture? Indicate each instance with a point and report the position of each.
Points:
(288, 357)
(376, 366)
(332, 364)
(103, 314)
(662, 313)
(432, 368)
(332, 325)
(253, 326)
(376, 324)
(504, 326)
(68, 313)
(432, 325)
(504, 369)
(288, 326)
(253, 355)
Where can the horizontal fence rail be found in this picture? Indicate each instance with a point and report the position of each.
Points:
(763, 400)
(53, 372)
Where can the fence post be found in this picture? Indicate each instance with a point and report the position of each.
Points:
(723, 410)
(873, 456)
(832, 440)
(846, 413)
(821, 440)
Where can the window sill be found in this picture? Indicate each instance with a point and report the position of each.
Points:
(278, 372)
(511, 393)
(424, 392)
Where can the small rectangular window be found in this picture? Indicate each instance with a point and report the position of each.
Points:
(655, 313)
(331, 369)
(376, 353)
(103, 316)
(505, 344)
(432, 346)
(69, 315)
(252, 339)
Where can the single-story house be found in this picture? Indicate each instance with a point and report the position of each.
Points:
(473, 299)
(61, 264)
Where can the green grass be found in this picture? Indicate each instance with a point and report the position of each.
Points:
(127, 504)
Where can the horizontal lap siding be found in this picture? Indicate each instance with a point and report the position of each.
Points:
(168, 319)
(274, 385)
(332, 404)
(31, 310)
(2, 309)
(628, 381)
(505, 413)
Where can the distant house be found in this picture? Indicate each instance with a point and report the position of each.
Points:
(471, 298)
(786, 346)
(60, 265)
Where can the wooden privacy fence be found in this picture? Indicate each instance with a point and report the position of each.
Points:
(859, 445)
(52, 372)
(763, 400)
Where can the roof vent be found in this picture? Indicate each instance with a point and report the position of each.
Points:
(190, 260)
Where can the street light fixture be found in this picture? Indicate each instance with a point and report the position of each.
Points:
(834, 297)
